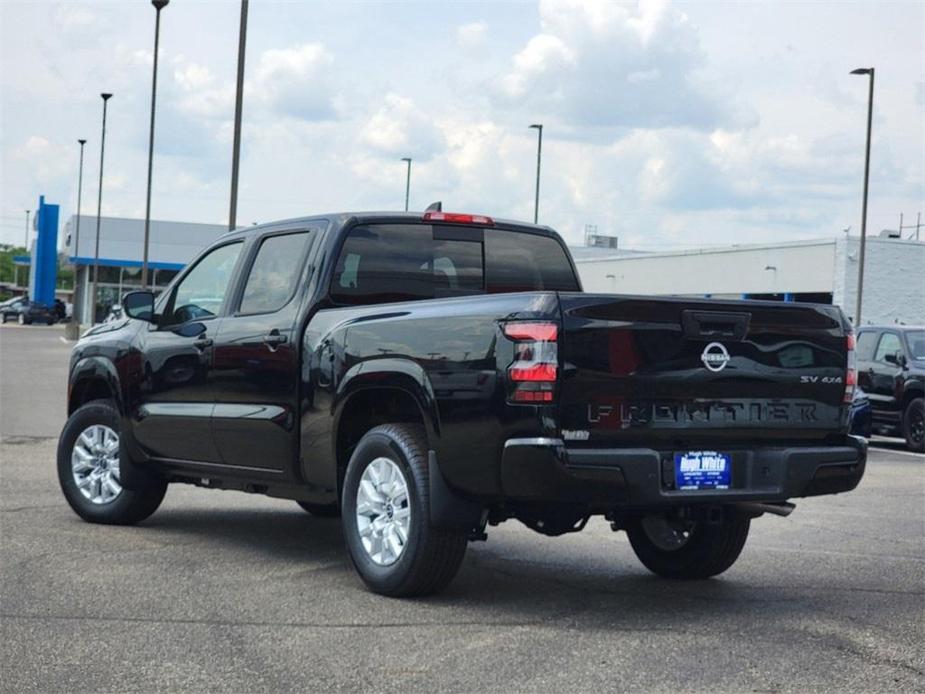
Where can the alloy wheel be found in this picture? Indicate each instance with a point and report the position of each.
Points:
(95, 464)
(383, 511)
(917, 428)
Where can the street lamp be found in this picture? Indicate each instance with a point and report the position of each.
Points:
(80, 185)
(158, 6)
(870, 110)
(99, 212)
(238, 105)
(539, 154)
(407, 181)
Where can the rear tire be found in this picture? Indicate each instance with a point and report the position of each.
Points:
(391, 542)
(89, 451)
(320, 510)
(702, 550)
(914, 425)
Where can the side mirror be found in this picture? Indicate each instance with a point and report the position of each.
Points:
(897, 358)
(190, 330)
(139, 305)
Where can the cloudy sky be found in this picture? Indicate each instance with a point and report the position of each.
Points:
(669, 125)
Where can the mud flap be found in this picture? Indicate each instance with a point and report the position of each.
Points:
(447, 508)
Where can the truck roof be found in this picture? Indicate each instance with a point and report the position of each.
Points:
(339, 219)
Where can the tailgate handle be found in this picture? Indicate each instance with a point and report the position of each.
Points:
(714, 324)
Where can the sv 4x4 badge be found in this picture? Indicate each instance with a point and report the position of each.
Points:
(715, 356)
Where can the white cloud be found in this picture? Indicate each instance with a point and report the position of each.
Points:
(472, 35)
(399, 127)
(295, 82)
(601, 63)
(192, 76)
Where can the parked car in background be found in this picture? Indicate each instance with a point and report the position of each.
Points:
(859, 417)
(9, 309)
(59, 309)
(26, 312)
(36, 312)
(891, 370)
(115, 314)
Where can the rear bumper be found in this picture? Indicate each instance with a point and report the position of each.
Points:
(544, 469)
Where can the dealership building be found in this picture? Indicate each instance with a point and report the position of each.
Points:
(172, 245)
(824, 271)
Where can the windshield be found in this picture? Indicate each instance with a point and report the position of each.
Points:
(916, 341)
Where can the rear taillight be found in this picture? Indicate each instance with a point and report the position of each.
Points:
(851, 372)
(532, 375)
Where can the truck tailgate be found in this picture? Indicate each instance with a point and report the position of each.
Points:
(668, 372)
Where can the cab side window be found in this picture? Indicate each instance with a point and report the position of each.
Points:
(201, 293)
(889, 344)
(274, 274)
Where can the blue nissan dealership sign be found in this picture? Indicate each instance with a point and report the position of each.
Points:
(44, 272)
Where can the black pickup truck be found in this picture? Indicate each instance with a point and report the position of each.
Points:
(427, 375)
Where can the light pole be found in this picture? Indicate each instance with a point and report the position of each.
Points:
(407, 181)
(539, 156)
(238, 105)
(870, 110)
(99, 212)
(80, 185)
(158, 6)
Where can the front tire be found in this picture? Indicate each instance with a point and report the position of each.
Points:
(691, 550)
(89, 451)
(386, 516)
(914, 425)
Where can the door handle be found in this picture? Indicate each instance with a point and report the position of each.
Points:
(202, 343)
(273, 339)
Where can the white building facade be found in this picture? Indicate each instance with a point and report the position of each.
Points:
(121, 246)
(824, 271)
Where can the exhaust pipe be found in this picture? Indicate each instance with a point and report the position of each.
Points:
(782, 509)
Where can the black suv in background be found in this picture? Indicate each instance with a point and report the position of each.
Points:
(26, 312)
(891, 370)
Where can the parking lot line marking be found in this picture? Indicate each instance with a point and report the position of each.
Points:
(61, 337)
(878, 449)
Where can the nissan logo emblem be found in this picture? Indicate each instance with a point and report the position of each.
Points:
(715, 356)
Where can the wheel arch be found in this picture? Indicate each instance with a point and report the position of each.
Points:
(93, 378)
(381, 392)
(912, 392)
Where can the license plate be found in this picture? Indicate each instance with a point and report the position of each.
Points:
(702, 470)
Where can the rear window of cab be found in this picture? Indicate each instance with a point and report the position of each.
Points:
(382, 263)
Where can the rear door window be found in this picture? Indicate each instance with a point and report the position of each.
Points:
(274, 274)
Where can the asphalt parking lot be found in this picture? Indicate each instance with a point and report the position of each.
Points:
(222, 591)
